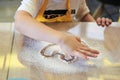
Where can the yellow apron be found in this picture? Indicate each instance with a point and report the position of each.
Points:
(65, 18)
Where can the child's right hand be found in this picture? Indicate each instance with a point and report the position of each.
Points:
(72, 45)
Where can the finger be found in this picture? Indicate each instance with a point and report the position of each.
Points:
(103, 22)
(90, 50)
(108, 22)
(78, 38)
(78, 54)
(87, 53)
(67, 56)
(99, 20)
(84, 43)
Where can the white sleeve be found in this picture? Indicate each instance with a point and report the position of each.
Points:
(30, 6)
(82, 11)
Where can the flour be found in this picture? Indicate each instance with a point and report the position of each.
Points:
(30, 55)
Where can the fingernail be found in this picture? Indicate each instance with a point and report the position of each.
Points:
(98, 23)
(87, 58)
(96, 55)
(103, 23)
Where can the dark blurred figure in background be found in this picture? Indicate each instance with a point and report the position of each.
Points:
(105, 8)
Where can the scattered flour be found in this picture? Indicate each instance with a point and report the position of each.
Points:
(30, 55)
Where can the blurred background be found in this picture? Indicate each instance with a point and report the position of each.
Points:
(8, 8)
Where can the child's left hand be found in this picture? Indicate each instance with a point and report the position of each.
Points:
(104, 22)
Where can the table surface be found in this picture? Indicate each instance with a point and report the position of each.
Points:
(106, 40)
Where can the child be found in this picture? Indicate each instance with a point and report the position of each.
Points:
(31, 16)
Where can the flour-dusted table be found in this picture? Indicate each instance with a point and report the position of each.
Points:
(27, 64)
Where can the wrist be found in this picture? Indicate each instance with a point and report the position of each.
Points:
(61, 38)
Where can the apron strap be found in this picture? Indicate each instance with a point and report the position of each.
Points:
(42, 10)
(68, 6)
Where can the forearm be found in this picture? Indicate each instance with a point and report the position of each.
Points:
(88, 18)
(34, 29)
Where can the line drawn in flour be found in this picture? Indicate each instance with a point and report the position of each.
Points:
(58, 54)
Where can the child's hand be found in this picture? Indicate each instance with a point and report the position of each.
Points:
(103, 22)
(72, 45)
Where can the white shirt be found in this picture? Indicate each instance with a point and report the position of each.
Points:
(33, 6)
